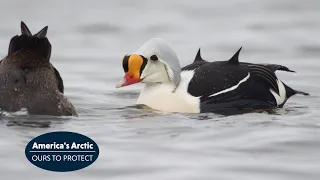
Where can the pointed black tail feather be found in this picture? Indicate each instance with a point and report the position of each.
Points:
(24, 29)
(42, 33)
(284, 68)
(302, 93)
(38, 45)
(275, 67)
(290, 92)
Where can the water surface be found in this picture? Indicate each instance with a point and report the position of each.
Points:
(90, 37)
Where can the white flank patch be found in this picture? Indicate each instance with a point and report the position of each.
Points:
(281, 97)
(233, 87)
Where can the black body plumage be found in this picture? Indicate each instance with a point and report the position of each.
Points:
(234, 85)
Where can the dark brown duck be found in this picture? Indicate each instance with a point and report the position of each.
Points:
(28, 79)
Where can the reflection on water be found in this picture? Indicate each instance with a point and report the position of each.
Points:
(90, 37)
(21, 118)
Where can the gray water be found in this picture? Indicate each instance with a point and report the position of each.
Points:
(90, 37)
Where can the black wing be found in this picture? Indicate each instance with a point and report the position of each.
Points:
(230, 84)
(223, 85)
(264, 72)
(215, 77)
(194, 65)
(212, 78)
(59, 80)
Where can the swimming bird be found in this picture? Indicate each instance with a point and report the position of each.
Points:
(202, 86)
(28, 79)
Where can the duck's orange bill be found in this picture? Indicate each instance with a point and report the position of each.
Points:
(127, 80)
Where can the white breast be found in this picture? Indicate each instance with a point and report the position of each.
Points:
(160, 96)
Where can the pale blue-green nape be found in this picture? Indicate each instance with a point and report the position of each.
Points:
(159, 47)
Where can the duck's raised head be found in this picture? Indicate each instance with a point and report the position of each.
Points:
(37, 43)
(154, 62)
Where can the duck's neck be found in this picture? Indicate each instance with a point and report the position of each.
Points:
(165, 87)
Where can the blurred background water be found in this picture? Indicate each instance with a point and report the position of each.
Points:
(90, 37)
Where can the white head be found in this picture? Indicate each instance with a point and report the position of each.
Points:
(154, 62)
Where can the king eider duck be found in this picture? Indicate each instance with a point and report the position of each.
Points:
(28, 79)
(202, 86)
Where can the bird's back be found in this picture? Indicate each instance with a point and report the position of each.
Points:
(28, 79)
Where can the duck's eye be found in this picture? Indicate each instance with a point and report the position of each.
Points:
(154, 57)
